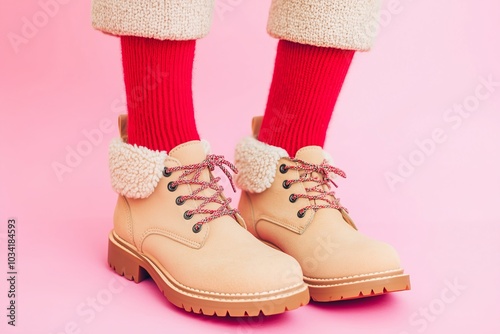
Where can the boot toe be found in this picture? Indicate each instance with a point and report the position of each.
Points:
(357, 259)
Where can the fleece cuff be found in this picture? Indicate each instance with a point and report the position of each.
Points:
(257, 164)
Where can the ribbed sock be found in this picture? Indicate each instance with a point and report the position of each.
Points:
(305, 86)
(158, 82)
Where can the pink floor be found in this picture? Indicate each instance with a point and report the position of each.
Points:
(398, 117)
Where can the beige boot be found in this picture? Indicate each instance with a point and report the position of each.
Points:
(173, 223)
(287, 203)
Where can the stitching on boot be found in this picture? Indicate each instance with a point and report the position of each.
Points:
(174, 236)
(290, 227)
(360, 281)
(355, 276)
(130, 226)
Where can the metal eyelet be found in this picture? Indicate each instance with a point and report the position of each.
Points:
(283, 169)
(197, 228)
(171, 186)
(292, 198)
(166, 173)
(188, 216)
(179, 200)
(286, 185)
(301, 213)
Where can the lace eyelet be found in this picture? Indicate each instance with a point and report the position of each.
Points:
(171, 186)
(283, 169)
(188, 216)
(286, 185)
(292, 198)
(301, 213)
(166, 173)
(197, 228)
(179, 200)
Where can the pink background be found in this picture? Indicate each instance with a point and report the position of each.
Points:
(444, 217)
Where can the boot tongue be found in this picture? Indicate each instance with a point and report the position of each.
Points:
(311, 154)
(189, 153)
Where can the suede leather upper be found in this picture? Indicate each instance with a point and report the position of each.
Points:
(222, 258)
(326, 245)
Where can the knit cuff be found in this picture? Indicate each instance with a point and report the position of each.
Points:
(342, 24)
(159, 19)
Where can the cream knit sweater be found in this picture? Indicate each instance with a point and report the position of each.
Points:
(342, 24)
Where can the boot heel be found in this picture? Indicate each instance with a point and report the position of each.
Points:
(125, 263)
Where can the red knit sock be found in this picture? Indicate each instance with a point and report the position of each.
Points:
(305, 86)
(158, 82)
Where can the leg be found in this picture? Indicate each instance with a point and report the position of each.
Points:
(158, 81)
(172, 221)
(306, 83)
(158, 43)
(287, 198)
(317, 42)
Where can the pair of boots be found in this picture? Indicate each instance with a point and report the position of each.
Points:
(290, 240)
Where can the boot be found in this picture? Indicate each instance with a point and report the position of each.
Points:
(288, 204)
(173, 223)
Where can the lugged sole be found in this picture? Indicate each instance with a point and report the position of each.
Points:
(358, 286)
(125, 261)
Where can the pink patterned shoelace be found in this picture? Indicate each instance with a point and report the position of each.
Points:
(325, 170)
(210, 162)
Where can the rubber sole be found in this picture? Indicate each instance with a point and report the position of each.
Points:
(127, 262)
(326, 290)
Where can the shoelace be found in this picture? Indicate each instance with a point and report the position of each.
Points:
(326, 196)
(210, 162)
